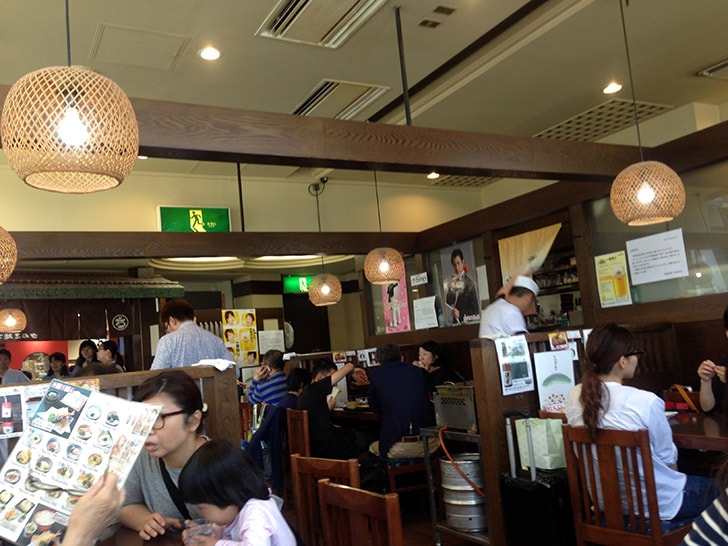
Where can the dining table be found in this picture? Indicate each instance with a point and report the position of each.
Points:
(124, 536)
(700, 431)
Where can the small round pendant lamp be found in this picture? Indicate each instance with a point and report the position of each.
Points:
(324, 289)
(646, 193)
(12, 321)
(70, 130)
(383, 265)
(8, 255)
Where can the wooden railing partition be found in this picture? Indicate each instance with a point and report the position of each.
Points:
(219, 391)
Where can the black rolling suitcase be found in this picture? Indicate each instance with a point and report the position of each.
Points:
(536, 506)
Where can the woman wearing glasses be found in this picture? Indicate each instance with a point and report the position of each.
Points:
(153, 504)
(603, 401)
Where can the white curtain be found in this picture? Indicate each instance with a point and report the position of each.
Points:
(526, 251)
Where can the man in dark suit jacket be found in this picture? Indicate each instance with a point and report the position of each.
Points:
(399, 394)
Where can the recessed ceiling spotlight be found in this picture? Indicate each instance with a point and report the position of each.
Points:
(434, 175)
(612, 88)
(209, 53)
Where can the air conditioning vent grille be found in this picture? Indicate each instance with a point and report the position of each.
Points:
(324, 23)
(602, 120)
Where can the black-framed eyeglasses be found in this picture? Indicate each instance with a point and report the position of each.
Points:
(637, 352)
(159, 423)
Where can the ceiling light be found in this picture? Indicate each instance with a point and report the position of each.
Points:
(142, 157)
(324, 289)
(434, 175)
(69, 129)
(648, 192)
(383, 265)
(209, 53)
(12, 321)
(8, 255)
(613, 87)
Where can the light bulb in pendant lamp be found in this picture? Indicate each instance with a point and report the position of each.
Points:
(646, 193)
(12, 321)
(69, 130)
(324, 289)
(383, 266)
(8, 255)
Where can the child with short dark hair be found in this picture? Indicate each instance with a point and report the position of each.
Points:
(230, 492)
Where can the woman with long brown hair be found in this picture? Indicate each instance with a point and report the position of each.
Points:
(601, 400)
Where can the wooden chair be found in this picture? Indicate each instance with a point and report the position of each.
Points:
(352, 517)
(246, 419)
(298, 439)
(600, 480)
(305, 474)
(543, 414)
(416, 476)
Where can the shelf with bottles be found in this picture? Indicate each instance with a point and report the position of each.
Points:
(558, 274)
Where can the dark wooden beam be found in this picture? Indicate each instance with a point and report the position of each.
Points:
(68, 245)
(188, 131)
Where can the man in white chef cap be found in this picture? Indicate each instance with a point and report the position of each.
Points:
(506, 315)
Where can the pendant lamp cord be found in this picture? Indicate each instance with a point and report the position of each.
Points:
(631, 80)
(376, 193)
(68, 34)
(317, 189)
(403, 67)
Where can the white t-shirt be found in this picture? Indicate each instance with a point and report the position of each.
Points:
(629, 408)
(501, 317)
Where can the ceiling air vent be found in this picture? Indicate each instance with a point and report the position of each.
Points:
(325, 23)
(602, 120)
(338, 99)
(461, 181)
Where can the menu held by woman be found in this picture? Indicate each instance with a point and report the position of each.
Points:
(74, 437)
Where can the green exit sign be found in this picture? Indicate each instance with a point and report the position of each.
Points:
(296, 285)
(194, 219)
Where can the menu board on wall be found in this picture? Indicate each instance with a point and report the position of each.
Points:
(514, 361)
(613, 283)
(240, 334)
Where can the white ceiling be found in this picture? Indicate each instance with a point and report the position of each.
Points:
(548, 67)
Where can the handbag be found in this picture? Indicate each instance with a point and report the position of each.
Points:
(548, 443)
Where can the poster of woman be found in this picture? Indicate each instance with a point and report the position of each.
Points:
(462, 303)
(396, 306)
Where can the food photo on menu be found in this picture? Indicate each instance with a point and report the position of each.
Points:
(73, 438)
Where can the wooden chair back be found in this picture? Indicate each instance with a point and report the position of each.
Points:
(612, 503)
(543, 414)
(298, 436)
(352, 517)
(305, 474)
(246, 420)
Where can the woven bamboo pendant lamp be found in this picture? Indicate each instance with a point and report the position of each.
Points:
(383, 265)
(12, 321)
(324, 289)
(8, 255)
(69, 129)
(648, 192)
(645, 193)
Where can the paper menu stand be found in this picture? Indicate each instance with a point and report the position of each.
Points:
(74, 437)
